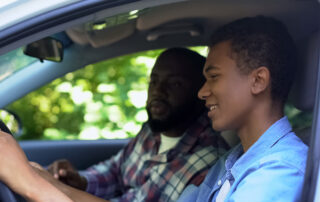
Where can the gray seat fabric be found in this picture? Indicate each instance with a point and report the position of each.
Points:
(303, 92)
(230, 137)
(304, 135)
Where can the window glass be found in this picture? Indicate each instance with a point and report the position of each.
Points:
(298, 119)
(19, 10)
(99, 101)
(13, 61)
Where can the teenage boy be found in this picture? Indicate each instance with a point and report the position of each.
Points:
(249, 71)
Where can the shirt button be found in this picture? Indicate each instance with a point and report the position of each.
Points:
(219, 182)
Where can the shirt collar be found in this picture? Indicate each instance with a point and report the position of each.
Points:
(186, 143)
(268, 139)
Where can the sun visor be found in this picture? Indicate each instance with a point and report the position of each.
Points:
(101, 37)
(157, 17)
(78, 35)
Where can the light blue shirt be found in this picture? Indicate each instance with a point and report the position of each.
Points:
(271, 170)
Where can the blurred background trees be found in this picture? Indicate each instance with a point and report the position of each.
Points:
(102, 100)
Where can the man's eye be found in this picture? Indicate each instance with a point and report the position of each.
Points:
(152, 82)
(175, 84)
(213, 76)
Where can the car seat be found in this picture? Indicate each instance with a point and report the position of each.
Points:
(303, 92)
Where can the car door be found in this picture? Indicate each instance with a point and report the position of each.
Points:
(311, 190)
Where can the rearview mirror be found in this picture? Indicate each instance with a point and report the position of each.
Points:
(45, 49)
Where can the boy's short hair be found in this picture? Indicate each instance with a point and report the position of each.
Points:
(262, 41)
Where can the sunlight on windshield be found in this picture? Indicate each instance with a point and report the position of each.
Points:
(13, 61)
(7, 2)
(17, 11)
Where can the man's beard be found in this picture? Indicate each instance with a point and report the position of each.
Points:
(176, 117)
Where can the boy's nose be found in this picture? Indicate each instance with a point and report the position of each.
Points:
(204, 92)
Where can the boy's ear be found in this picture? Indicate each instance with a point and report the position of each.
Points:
(260, 80)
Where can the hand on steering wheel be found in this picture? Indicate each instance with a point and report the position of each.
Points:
(5, 193)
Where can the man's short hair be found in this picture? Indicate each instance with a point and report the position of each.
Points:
(262, 41)
(192, 58)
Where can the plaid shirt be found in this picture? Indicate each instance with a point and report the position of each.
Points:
(139, 173)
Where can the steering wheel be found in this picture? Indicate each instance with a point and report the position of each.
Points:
(5, 192)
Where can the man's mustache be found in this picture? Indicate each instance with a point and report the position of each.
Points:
(158, 100)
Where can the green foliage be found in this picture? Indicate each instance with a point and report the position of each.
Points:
(298, 119)
(95, 102)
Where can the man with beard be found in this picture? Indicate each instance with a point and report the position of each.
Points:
(176, 147)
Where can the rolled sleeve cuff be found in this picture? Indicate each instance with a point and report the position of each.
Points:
(92, 181)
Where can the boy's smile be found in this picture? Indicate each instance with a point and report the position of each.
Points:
(212, 108)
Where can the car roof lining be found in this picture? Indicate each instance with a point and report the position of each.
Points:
(206, 15)
(63, 25)
(207, 20)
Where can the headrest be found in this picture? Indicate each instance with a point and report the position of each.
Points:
(303, 91)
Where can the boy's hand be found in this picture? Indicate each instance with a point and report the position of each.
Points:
(64, 171)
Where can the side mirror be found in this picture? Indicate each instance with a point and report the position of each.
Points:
(12, 121)
(45, 49)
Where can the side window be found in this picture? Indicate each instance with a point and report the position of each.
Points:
(299, 119)
(301, 122)
(105, 100)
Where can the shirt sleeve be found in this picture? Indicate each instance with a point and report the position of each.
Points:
(272, 182)
(105, 179)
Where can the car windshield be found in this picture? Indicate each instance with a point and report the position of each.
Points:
(13, 61)
(18, 10)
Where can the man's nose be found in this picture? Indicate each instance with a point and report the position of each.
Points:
(159, 88)
(204, 92)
